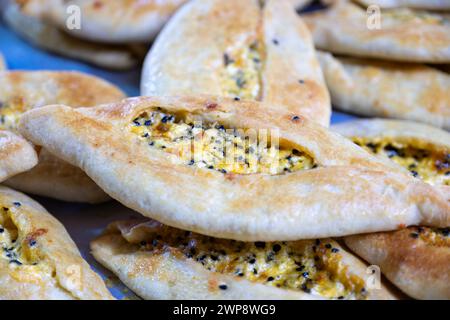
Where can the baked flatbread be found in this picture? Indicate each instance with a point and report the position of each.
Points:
(160, 262)
(416, 259)
(418, 4)
(39, 260)
(386, 89)
(249, 52)
(21, 91)
(16, 155)
(404, 35)
(48, 37)
(191, 166)
(118, 21)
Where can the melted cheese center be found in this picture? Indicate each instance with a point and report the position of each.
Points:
(241, 76)
(312, 266)
(20, 251)
(432, 236)
(214, 147)
(428, 165)
(10, 112)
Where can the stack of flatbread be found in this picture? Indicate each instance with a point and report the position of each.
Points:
(244, 190)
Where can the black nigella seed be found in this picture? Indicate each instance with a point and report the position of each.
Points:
(276, 247)
(32, 243)
(237, 99)
(165, 119)
(275, 42)
(305, 288)
(223, 287)
(414, 235)
(252, 261)
(151, 143)
(148, 123)
(414, 173)
(301, 81)
(154, 242)
(210, 167)
(445, 232)
(260, 244)
(317, 242)
(270, 279)
(335, 250)
(2, 230)
(137, 124)
(17, 204)
(301, 268)
(16, 262)
(295, 118)
(145, 135)
(305, 274)
(328, 246)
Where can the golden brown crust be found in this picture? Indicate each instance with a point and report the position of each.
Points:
(419, 269)
(185, 60)
(242, 207)
(403, 35)
(364, 87)
(28, 90)
(16, 155)
(118, 21)
(168, 274)
(49, 37)
(56, 270)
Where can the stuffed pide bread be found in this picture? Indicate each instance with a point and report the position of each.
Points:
(402, 34)
(49, 37)
(365, 87)
(204, 165)
(118, 21)
(39, 261)
(417, 4)
(250, 52)
(22, 91)
(415, 259)
(160, 262)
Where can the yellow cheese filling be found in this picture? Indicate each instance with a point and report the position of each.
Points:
(20, 251)
(432, 236)
(214, 147)
(313, 266)
(241, 74)
(10, 112)
(429, 165)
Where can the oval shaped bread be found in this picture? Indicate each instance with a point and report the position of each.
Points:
(323, 185)
(250, 51)
(118, 21)
(394, 34)
(364, 87)
(415, 259)
(39, 261)
(16, 155)
(45, 35)
(159, 262)
(21, 91)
